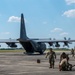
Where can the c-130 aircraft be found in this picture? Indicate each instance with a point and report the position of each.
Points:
(32, 45)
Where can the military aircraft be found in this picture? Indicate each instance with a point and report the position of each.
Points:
(33, 45)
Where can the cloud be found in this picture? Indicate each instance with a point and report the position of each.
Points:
(70, 2)
(56, 30)
(14, 19)
(69, 13)
(7, 33)
(64, 33)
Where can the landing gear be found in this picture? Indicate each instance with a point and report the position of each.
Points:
(41, 52)
(24, 52)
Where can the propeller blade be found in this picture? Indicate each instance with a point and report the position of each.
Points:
(54, 39)
(64, 38)
(50, 39)
(69, 38)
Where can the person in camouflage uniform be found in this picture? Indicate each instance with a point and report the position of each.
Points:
(64, 64)
(52, 57)
(72, 52)
(62, 55)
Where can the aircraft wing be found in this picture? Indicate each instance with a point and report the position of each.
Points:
(9, 41)
(56, 42)
(36, 40)
(46, 40)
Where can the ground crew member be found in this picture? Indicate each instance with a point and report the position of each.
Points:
(63, 64)
(69, 66)
(61, 56)
(72, 52)
(52, 57)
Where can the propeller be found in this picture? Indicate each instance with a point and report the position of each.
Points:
(50, 38)
(67, 42)
(54, 39)
(67, 39)
(51, 43)
(64, 38)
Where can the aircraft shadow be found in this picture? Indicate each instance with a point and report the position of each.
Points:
(33, 54)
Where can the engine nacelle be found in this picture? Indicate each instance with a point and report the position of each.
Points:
(57, 45)
(50, 43)
(65, 43)
(12, 44)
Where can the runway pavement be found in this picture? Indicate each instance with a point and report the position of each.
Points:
(23, 64)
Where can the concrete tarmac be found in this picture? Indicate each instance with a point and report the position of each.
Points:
(22, 64)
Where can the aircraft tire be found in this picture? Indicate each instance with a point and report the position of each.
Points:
(41, 52)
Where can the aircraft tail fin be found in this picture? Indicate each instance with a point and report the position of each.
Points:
(23, 29)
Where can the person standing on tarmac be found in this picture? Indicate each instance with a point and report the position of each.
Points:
(52, 57)
(72, 52)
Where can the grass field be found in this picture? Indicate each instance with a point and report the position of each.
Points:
(12, 51)
(59, 51)
(24, 50)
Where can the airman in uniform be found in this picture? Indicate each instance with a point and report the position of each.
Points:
(62, 55)
(72, 52)
(52, 57)
(64, 64)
